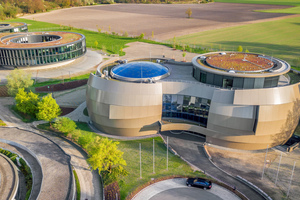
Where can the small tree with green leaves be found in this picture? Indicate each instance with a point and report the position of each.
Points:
(189, 12)
(64, 125)
(48, 109)
(183, 55)
(105, 156)
(27, 102)
(247, 51)
(96, 43)
(141, 36)
(240, 49)
(125, 34)
(174, 42)
(18, 79)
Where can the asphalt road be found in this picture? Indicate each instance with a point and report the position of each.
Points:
(185, 193)
(190, 147)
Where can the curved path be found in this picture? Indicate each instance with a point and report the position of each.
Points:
(8, 178)
(55, 168)
(89, 180)
(190, 147)
(36, 170)
(82, 65)
(176, 189)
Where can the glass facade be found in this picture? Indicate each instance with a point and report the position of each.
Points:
(186, 107)
(42, 56)
(234, 82)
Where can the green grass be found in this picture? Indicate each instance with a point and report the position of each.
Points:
(57, 81)
(293, 10)
(273, 2)
(24, 117)
(2, 123)
(279, 38)
(112, 43)
(78, 192)
(131, 154)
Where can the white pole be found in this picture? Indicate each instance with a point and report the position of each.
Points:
(153, 158)
(291, 180)
(167, 153)
(278, 168)
(140, 160)
(262, 175)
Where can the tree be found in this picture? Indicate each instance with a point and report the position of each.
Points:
(96, 43)
(105, 156)
(27, 102)
(183, 55)
(246, 51)
(141, 36)
(189, 12)
(18, 79)
(64, 125)
(48, 109)
(240, 49)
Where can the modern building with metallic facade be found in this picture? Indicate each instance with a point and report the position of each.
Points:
(236, 100)
(13, 27)
(40, 48)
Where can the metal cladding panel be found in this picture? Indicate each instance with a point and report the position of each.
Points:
(122, 108)
(230, 110)
(188, 88)
(267, 96)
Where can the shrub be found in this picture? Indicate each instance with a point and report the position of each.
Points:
(125, 34)
(240, 49)
(85, 139)
(64, 125)
(141, 36)
(27, 102)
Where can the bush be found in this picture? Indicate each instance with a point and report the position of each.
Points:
(64, 125)
(240, 49)
(85, 139)
(141, 36)
(27, 102)
(16, 80)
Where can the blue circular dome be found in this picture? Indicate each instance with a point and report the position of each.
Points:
(139, 71)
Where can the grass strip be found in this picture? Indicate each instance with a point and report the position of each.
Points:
(78, 191)
(2, 123)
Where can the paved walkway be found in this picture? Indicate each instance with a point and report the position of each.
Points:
(7, 177)
(82, 65)
(89, 180)
(166, 187)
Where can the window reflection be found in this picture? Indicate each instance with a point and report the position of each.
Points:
(186, 107)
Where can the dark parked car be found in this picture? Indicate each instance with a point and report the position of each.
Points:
(199, 182)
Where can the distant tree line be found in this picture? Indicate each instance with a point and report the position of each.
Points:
(11, 8)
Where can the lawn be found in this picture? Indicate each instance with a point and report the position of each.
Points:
(293, 10)
(273, 2)
(111, 43)
(131, 154)
(279, 38)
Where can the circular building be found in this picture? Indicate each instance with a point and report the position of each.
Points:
(13, 27)
(236, 100)
(40, 48)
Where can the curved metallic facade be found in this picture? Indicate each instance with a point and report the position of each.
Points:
(13, 27)
(35, 49)
(241, 118)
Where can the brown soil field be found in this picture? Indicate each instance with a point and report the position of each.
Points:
(165, 20)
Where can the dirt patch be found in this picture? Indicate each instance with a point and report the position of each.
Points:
(61, 86)
(66, 110)
(165, 20)
(3, 91)
(249, 165)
